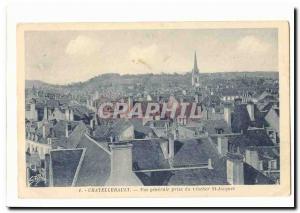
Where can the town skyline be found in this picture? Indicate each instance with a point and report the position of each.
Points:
(144, 74)
(79, 56)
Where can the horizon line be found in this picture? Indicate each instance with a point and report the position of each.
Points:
(139, 74)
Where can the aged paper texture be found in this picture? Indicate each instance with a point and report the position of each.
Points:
(153, 109)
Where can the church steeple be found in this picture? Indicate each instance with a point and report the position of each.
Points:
(195, 70)
(195, 73)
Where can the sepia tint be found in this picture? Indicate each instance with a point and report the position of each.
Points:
(153, 107)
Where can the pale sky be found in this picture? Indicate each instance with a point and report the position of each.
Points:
(71, 56)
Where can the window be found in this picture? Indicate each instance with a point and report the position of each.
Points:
(219, 130)
(273, 164)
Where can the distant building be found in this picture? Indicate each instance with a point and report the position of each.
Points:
(195, 73)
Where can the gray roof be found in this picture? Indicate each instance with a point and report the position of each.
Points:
(64, 164)
(253, 176)
(212, 125)
(95, 168)
(257, 138)
(76, 135)
(147, 154)
(104, 132)
(193, 152)
(119, 126)
(101, 132)
(139, 127)
(197, 177)
(157, 123)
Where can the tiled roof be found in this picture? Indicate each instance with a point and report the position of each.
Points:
(95, 168)
(255, 138)
(268, 152)
(81, 111)
(140, 129)
(259, 137)
(197, 152)
(157, 123)
(240, 118)
(119, 126)
(74, 138)
(212, 125)
(157, 178)
(193, 152)
(197, 177)
(101, 132)
(253, 176)
(59, 130)
(211, 100)
(64, 164)
(51, 103)
(147, 154)
(230, 92)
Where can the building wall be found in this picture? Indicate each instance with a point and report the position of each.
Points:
(273, 120)
(31, 115)
(128, 134)
(185, 133)
(41, 148)
(58, 115)
(235, 172)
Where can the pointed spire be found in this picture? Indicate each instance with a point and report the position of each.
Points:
(195, 64)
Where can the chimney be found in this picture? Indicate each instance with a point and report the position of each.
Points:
(121, 173)
(166, 128)
(227, 115)
(33, 111)
(32, 106)
(96, 119)
(67, 130)
(39, 124)
(44, 131)
(49, 140)
(222, 145)
(71, 115)
(196, 98)
(207, 117)
(171, 147)
(250, 109)
(213, 110)
(130, 102)
(174, 131)
(92, 124)
(251, 157)
(209, 164)
(45, 113)
(67, 113)
(235, 169)
(47, 169)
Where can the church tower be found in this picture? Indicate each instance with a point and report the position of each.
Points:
(195, 73)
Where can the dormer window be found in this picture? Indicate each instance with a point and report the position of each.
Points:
(219, 130)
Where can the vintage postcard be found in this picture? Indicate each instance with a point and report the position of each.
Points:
(153, 109)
